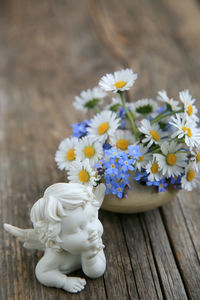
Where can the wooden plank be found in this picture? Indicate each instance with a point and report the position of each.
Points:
(170, 279)
(141, 256)
(185, 244)
(119, 285)
(39, 77)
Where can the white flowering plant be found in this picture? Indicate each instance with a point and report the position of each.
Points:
(144, 141)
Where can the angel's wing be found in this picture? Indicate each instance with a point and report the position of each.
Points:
(29, 237)
(99, 193)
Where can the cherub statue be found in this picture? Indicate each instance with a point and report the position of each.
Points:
(66, 227)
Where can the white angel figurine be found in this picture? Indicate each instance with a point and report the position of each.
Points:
(67, 229)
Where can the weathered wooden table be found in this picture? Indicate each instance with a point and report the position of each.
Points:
(51, 50)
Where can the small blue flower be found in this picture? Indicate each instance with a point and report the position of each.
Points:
(140, 176)
(161, 184)
(112, 170)
(150, 118)
(175, 179)
(118, 189)
(110, 181)
(112, 167)
(123, 124)
(113, 153)
(134, 151)
(80, 129)
(122, 112)
(99, 164)
(108, 188)
(150, 183)
(106, 146)
(124, 177)
(161, 109)
(126, 163)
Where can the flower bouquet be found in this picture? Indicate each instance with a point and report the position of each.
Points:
(144, 146)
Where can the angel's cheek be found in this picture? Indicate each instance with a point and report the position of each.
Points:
(100, 228)
(75, 243)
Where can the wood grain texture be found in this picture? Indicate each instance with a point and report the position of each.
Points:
(50, 51)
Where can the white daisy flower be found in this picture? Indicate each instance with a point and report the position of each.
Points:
(122, 139)
(90, 149)
(144, 107)
(65, 154)
(153, 134)
(170, 161)
(186, 128)
(144, 158)
(89, 99)
(81, 172)
(191, 179)
(119, 81)
(196, 160)
(189, 107)
(153, 170)
(162, 96)
(103, 125)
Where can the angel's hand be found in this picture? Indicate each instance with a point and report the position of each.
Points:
(93, 250)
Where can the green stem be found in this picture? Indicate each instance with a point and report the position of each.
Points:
(182, 151)
(129, 115)
(155, 150)
(182, 140)
(164, 115)
(96, 109)
(158, 117)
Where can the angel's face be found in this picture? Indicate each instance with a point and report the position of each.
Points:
(81, 230)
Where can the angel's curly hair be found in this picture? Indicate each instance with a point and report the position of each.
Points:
(58, 200)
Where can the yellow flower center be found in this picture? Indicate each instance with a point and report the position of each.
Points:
(155, 135)
(188, 130)
(120, 84)
(122, 144)
(141, 158)
(190, 110)
(119, 189)
(70, 155)
(171, 159)
(103, 128)
(83, 176)
(89, 151)
(198, 156)
(154, 168)
(190, 175)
